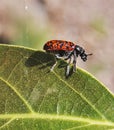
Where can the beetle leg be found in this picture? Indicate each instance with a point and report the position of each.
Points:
(74, 61)
(68, 67)
(52, 68)
(57, 56)
(69, 56)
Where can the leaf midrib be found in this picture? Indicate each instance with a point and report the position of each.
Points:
(55, 117)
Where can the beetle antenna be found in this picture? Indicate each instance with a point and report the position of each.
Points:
(90, 54)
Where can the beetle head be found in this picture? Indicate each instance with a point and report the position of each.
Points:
(81, 52)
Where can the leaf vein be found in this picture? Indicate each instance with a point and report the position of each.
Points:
(103, 117)
(18, 94)
(7, 123)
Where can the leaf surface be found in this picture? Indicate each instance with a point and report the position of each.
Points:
(33, 98)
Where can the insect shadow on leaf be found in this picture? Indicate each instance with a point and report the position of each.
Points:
(62, 63)
(40, 59)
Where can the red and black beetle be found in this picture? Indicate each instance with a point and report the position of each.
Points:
(66, 50)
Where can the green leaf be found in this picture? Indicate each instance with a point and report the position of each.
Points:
(33, 98)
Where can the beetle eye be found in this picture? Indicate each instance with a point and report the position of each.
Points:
(78, 49)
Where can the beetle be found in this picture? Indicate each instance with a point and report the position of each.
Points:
(66, 50)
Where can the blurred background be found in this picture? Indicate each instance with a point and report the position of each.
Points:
(89, 23)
